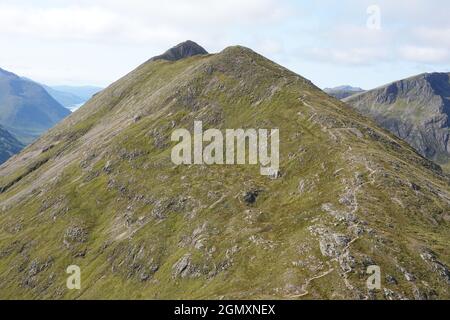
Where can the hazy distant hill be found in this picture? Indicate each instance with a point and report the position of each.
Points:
(26, 109)
(9, 145)
(342, 92)
(100, 191)
(83, 92)
(416, 109)
(72, 97)
(67, 99)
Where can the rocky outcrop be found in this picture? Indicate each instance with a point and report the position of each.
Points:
(183, 50)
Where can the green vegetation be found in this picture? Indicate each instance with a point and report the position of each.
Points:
(109, 199)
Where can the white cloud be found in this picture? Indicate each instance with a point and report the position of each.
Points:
(134, 21)
(437, 36)
(350, 56)
(97, 41)
(67, 23)
(361, 35)
(424, 54)
(414, 31)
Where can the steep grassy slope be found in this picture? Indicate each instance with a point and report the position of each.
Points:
(416, 109)
(9, 145)
(100, 191)
(26, 109)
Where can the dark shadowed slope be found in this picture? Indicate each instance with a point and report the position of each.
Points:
(26, 109)
(9, 145)
(416, 109)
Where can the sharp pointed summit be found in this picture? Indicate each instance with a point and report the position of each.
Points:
(183, 50)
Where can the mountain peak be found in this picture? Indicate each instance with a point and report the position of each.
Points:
(180, 51)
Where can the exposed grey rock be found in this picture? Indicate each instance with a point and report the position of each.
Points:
(133, 261)
(108, 167)
(346, 261)
(341, 216)
(408, 276)
(183, 50)
(392, 295)
(416, 110)
(197, 239)
(414, 186)
(419, 295)
(184, 268)
(35, 268)
(437, 266)
(75, 234)
(367, 261)
(250, 196)
(331, 244)
(391, 280)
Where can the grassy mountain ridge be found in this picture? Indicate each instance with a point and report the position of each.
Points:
(100, 191)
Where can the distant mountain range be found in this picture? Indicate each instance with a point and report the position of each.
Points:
(416, 109)
(83, 92)
(100, 191)
(72, 97)
(342, 92)
(66, 99)
(26, 108)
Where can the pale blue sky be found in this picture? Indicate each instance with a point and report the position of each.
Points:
(327, 41)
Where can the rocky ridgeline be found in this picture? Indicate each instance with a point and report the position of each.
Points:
(416, 109)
